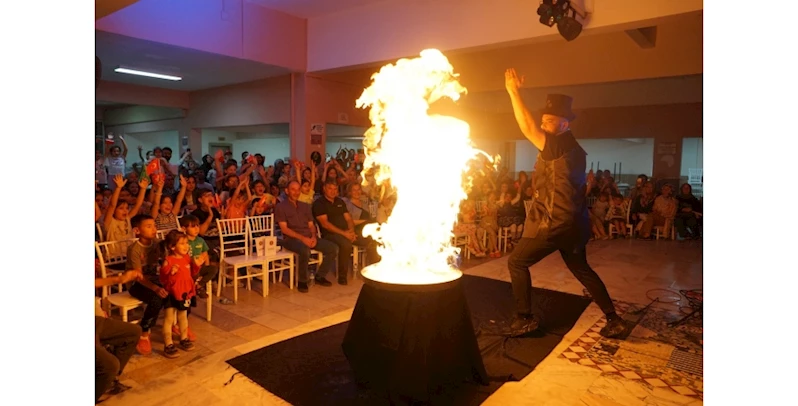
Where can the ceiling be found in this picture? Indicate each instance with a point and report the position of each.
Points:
(643, 92)
(311, 8)
(199, 70)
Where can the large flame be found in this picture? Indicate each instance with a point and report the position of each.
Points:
(422, 158)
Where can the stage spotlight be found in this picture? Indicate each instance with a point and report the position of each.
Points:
(562, 13)
(569, 28)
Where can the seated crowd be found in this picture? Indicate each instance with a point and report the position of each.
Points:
(643, 210)
(321, 206)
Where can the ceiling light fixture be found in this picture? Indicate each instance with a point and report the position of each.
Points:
(148, 74)
(563, 13)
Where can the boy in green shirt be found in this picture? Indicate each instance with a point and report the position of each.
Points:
(198, 249)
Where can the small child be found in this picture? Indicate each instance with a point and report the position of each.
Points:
(236, 205)
(199, 252)
(597, 215)
(116, 220)
(617, 214)
(177, 277)
(467, 225)
(164, 210)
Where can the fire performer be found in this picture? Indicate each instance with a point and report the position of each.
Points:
(558, 219)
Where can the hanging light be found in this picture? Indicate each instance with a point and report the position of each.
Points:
(562, 13)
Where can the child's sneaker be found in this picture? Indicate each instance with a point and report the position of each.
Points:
(170, 351)
(201, 292)
(144, 347)
(186, 345)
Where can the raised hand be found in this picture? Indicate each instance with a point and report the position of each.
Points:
(511, 80)
(119, 181)
(143, 183)
(183, 181)
(140, 148)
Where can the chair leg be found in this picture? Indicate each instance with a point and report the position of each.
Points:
(249, 279)
(291, 272)
(124, 311)
(209, 301)
(235, 284)
(220, 282)
(265, 278)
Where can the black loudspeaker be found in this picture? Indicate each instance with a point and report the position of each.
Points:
(98, 71)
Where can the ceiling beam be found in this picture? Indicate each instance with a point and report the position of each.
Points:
(645, 37)
(104, 8)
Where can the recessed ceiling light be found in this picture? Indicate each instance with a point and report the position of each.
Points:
(148, 74)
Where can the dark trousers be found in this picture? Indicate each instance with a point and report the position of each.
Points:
(345, 252)
(686, 221)
(153, 302)
(530, 251)
(206, 274)
(328, 250)
(122, 338)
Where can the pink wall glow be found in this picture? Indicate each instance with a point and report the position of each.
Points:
(123, 93)
(274, 38)
(320, 101)
(232, 27)
(262, 102)
(393, 29)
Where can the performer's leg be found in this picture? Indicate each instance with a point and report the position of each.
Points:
(528, 252)
(576, 260)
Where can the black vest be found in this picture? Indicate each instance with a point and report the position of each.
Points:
(560, 204)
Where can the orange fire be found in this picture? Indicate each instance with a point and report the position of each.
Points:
(423, 157)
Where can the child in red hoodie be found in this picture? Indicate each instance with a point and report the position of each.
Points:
(177, 277)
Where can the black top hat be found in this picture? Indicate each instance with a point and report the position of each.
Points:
(559, 105)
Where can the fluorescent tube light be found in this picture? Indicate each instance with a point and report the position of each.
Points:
(148, 74)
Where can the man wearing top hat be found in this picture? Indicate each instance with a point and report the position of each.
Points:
(558, 219)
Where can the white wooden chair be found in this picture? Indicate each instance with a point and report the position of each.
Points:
(161, 234)
(462, 240)
(358, 257)
(659, 231)
(504, 237)
(504, 233)
(627, 208)
(106, 257)
(100, 234)
(235, 251)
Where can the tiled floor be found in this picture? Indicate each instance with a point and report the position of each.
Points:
(654, 366)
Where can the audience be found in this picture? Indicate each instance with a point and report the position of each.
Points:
(686, 220)
(338, 226)
(662, 213)
(171, 273)
(300, 236)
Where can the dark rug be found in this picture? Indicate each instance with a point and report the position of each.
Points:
(312, 370)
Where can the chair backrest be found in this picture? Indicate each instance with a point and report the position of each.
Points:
(161, 234)
(260, 226)
(695, 175)
(100, 235)
(234, 236)
(480, 205)
(111, 253)
(373, 207)
(528, 205)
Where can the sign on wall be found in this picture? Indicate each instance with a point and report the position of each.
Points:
(666, 148)
(316, 134)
